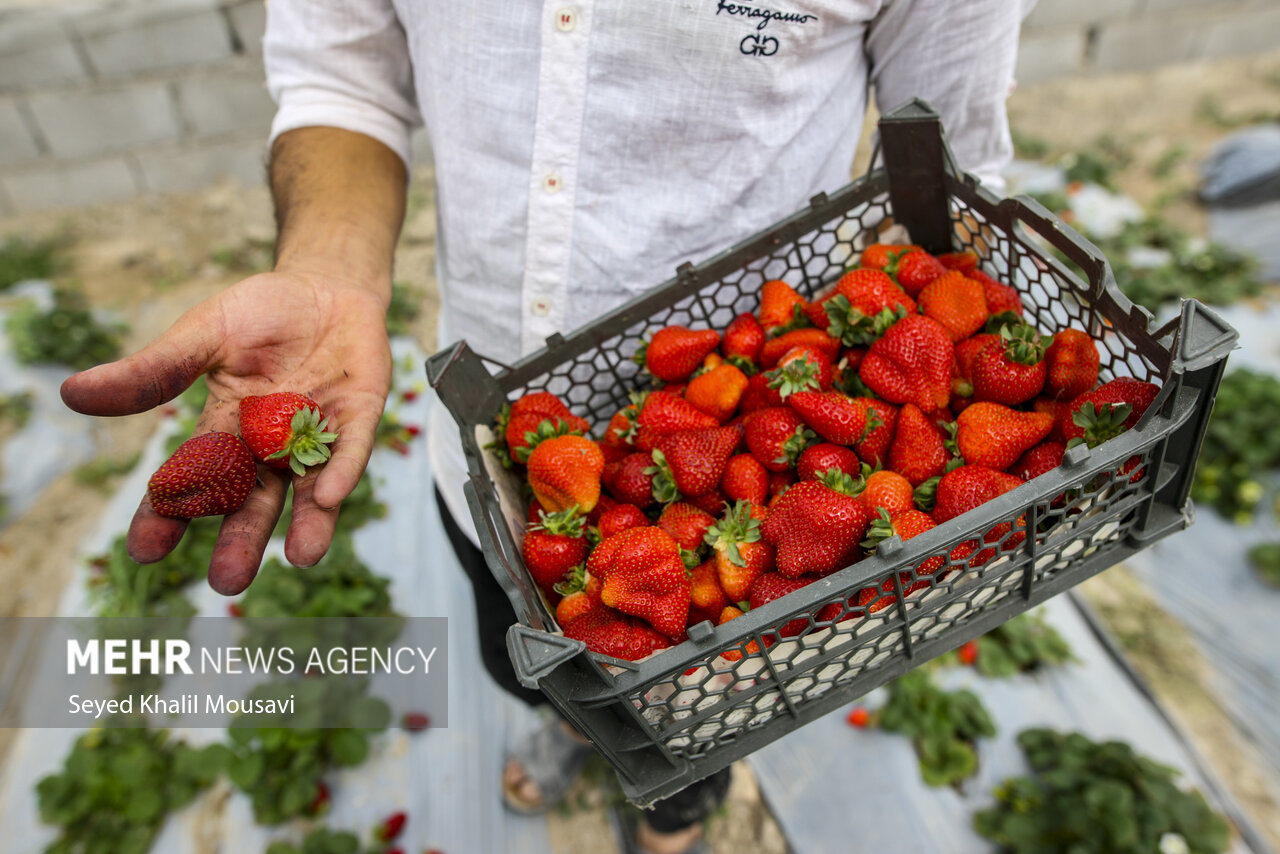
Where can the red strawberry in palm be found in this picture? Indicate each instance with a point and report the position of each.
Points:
(208, 475)
(776, 437)
(1107, 411)
(914, 270)
(675, 352)
(956, 302)
(643, 575)
(691, 462)
(816, 526)
(607, 632)
(741, 555)
(743, 339)
(285, 430)
(1011, 370)
(554, 546)
(992, 435)
(780, 306)
(919, 449)
(820, 458)
(1072, 361)
(912, 363)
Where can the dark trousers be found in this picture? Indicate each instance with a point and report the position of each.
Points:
(495, 615)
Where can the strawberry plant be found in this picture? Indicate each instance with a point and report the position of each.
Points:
(405, 306)
(943, 725)
(22, 259)
(122, 588)
(1084, 795)
(1025, 643)
(100, 473)
(16, 408)
(1265, 560)
(322, 840)
(117, 785)
(340, 585)
(67, 334)
(1241, 448)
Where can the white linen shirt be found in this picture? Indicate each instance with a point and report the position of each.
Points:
(585, 148)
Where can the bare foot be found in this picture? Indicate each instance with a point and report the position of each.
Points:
(519, 788)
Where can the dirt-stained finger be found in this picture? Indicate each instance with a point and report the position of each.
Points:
(243, 537)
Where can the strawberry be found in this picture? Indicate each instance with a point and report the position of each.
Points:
(919, 449)
(527, 429)
(745, 479)
(779, 482)
(879, 255)
(816, 339)
(630, 480)
(718, 391)
(967, 653)
(644, 576)
(1107, 411)
(1072, 361)
(816, 526)
(888, 491)
(759, 395)
(774, 585)
(999, 296)
(776, 437)
(391, 827)
(834, 416)
(581, 592)
(858, 717)
(743, 339)
(320, 803)
(993, 435)
(967, 487)
(685, 524)
(780, 307)
(956, 302)
(731, 612)
(542, 403)
(1012, 370)
(565, 471)
(1044, 457)
(606, 632)
(414, 721)
(674, 352)
(1059, 409)
(691, 462)
(967, 353)
(712, 502)
(907, 525)
(915, 270)
(664, 413)
(962, 261)
(740, 554)
(706, 597)
(285, 430)
(620, 434)
(816, 459)
(816, 311)
(882, 423)
(208, 475)
(620, 518)
(871, 300)
(553, 546)
(852, 325)
(801, 369)
(911, 363)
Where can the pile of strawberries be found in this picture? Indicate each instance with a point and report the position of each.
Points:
(790, 445)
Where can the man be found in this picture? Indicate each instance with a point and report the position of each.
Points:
(582, 151)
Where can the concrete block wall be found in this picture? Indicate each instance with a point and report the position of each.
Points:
(103, 100)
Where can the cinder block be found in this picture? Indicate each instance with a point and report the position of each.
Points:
(1137, 45)
(16, 142)
(85, 122)
(1246, 32)
(226, 101)
(69, 185)
(1045, 54)
(1059, 13)
(36, 51)
(197, 165)
(249, 19)
(174, 34)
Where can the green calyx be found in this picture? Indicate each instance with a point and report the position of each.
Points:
(736, 527)
(841, 482)
(895, 262)
(564, 523)
(548, 428)
(308, 443)
(499, 443)
(926, 494)
(1099, 423)
(880, 529)
(949, 443)
(795, 445)
(799, 320)
(664, 482)
(691, 559)
(640, 355)
(873, 423)
(1022, 344)
(997, 322)
(796, 375)
(575, 581)
(855, 328)
(743, 364)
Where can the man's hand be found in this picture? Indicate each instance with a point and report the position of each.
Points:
(272, 332)
(317, 325)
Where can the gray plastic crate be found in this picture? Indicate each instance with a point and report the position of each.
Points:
(687, 712)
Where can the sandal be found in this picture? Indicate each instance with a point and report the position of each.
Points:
(552, 760)
(626, 823)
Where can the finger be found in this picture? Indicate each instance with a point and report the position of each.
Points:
(312, 527)
(154, 375)
(152, 536)
(242, 539)
(351, 453)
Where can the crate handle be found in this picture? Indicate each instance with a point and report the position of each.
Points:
(491, 545)
(1023, 211)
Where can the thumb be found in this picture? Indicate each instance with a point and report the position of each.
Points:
(154, 375)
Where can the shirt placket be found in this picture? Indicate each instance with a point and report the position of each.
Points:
(553, 176)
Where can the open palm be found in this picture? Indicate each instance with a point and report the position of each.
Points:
(321, 337)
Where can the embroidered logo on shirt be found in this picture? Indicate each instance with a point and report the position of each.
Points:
(766, 16)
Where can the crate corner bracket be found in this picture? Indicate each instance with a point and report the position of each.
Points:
(536, 653)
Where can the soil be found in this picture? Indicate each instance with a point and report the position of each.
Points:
(151, 258)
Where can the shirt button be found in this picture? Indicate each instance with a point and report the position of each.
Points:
(566, 19)
(552, 182)
(541, 306)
